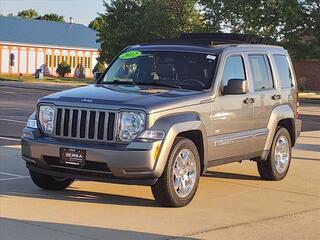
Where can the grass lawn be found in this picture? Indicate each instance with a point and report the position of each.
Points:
(46, 80)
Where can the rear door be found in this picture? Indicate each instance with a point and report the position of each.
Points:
(266, 95)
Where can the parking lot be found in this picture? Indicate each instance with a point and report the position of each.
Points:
(232, 201)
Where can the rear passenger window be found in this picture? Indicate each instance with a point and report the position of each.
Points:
(284, 71)
(261, 72)
(233, 69)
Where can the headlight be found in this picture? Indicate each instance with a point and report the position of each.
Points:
(131, 124)
(32, 122)
(46, 118)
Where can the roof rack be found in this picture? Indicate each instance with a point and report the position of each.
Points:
(212, 39)
(223, 38)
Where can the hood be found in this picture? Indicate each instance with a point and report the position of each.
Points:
(149, 99)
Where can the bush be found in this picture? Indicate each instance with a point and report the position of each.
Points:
(63, 69)
(99, 67)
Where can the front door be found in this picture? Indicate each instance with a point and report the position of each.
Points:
(232, 115)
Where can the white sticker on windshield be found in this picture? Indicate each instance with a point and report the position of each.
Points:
(212, 57)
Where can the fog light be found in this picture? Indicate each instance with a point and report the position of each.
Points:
(26, 134)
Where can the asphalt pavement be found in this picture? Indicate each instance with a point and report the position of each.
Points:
(232, 201)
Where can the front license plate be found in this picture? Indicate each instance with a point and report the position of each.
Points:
(74, 157)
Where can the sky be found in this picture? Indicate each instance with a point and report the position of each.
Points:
(83, 11)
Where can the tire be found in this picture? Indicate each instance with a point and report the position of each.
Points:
(49, 182)
(164, 190)
(269, 169)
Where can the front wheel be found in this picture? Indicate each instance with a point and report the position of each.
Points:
(276, 166)
(49, 182)
(179, 181)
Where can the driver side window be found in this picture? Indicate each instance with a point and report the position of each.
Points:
(233, 69)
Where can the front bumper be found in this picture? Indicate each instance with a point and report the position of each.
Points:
(135, 163)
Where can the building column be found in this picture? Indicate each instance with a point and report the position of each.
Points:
(27, 62)
(19, 48)
(0, 58)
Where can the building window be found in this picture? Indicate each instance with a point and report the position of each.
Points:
(87, 62)
(80, 61)
(48, 60)
(64, 58)
(73, 61)
(55, 61)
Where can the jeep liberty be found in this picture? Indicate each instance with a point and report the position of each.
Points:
(163, 112)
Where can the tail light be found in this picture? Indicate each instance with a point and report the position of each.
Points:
(297, 106)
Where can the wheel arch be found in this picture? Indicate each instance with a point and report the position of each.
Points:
(282, 115)
(187, 125)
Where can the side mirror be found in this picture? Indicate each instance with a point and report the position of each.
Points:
(96, 76)
(235, 86)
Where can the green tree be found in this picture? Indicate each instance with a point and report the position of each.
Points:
(52, 17)
(127, 22)
(293, 24)
(96, 24)
(99, 67)
(28, 13)
(213, 12)
(63, 69)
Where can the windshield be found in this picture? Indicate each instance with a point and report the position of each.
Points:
(167, 69)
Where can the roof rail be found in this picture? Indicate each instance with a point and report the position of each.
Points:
(211, 39)
(223, 38)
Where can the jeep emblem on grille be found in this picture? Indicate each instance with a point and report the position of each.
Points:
(87, 100)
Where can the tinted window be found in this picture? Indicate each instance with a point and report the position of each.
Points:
(284, 71)
(261, 73)
(234, 69)
(187, 70)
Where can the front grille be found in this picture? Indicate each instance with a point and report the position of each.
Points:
(84, 124)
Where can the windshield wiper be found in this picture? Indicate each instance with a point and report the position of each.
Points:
(160, 84)
(118, 82)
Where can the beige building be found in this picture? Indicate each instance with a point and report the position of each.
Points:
(27, 45)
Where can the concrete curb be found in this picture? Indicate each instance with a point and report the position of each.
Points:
(38, 86)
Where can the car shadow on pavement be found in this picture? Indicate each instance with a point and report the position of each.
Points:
(13, 229)
(311, 119)
(76, 195)
(214, 174)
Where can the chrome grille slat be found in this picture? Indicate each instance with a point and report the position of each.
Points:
(70, 122)
(96, 125)
(74, 125)
(62, 121)
(106, 122)
(78, 124)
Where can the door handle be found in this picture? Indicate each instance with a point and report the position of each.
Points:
(276, 97)
(249, 100)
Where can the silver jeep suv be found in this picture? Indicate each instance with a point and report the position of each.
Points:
(163, 112)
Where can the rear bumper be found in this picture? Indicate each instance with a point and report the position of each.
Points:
(135, 163)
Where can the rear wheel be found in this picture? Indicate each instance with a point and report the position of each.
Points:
(49, 182)
(179, 181)
(276, 166)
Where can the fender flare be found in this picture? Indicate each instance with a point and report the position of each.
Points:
(278, 113)
(173, 125)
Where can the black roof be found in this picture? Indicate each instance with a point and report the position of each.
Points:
(205, 41)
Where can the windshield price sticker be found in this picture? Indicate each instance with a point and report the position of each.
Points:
(130, 55)
(212, 57)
